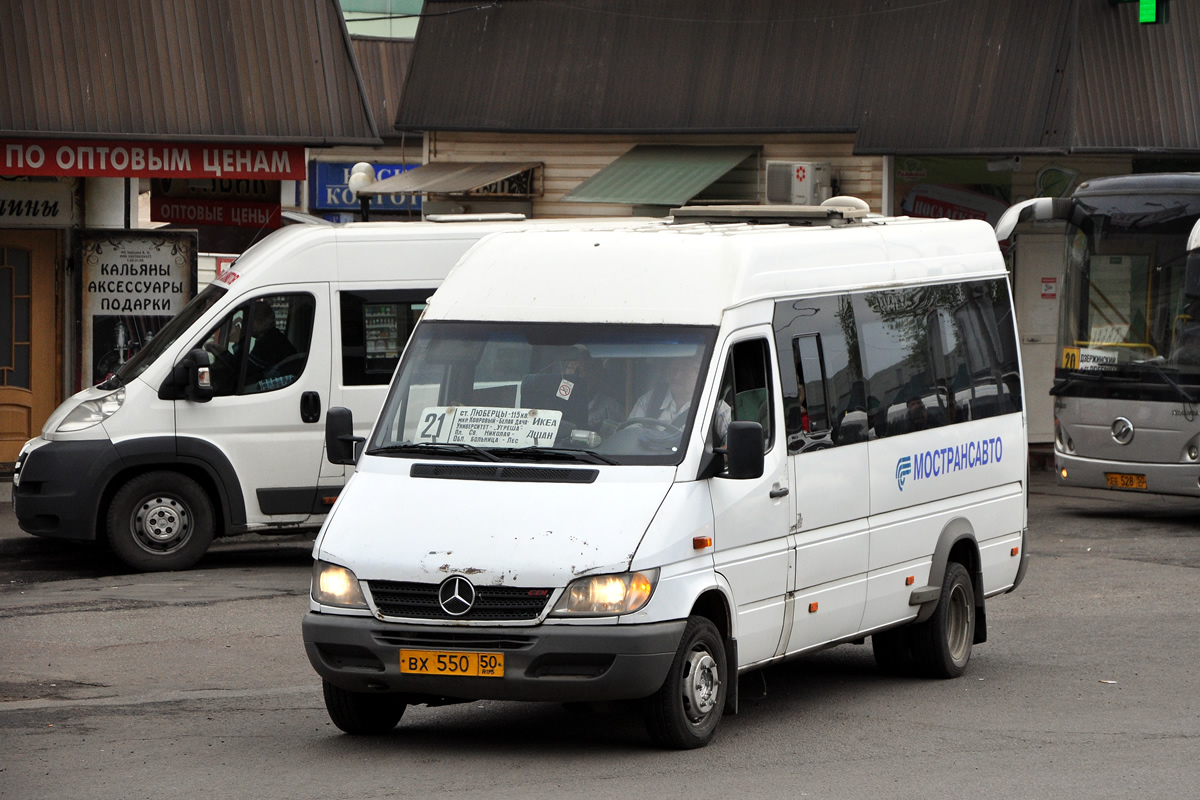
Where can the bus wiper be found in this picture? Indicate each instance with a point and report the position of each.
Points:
(434, 448)
(1061, 384)
(1187, 398)
(587, 456)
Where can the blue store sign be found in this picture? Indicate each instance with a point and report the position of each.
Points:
(328, 190)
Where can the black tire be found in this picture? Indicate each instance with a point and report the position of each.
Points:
(160, 521)
(893, 655)
(684, 713)
(941, 646)
(360, 714)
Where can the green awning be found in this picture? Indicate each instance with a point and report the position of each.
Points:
(659, 175)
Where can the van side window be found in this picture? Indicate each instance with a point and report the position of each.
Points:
(375, 326)
(821, 372)
(938, 355)
(262, 345)
(745, 393)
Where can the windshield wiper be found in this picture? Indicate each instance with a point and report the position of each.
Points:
(587, 456)
(1187, 398)
(435, 448)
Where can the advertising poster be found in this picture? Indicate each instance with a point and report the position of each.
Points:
(132, 283)
(955, 188)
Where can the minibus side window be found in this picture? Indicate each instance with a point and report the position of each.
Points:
(745, 393)
(938, 355)
(375, 326)
(826, 326)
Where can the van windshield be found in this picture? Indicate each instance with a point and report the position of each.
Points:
(615, 394)
(143, 358)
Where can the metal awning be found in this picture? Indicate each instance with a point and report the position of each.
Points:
(659, 175)
(449, 177)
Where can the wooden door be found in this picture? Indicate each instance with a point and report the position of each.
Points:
(29, 336)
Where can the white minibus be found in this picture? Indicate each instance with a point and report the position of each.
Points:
(636, 464)
(216, 427)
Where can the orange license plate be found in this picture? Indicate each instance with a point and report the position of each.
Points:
(447, 662)
(1121, 480)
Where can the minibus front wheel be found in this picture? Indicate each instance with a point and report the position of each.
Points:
(160, 521)
(362, 714)
(684, 713)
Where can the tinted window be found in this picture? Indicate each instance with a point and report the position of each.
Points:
(875, 364)
(375, 327)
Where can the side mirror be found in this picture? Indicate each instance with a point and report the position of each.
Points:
(191, 378)
(341, 445)
(744, 450)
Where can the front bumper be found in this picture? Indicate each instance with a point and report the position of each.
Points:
(1180, 479)
(57, 492)
(561, 663)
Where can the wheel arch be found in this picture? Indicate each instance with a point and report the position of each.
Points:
(201, 461)
(957, 543)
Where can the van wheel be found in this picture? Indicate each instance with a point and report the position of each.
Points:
(941, 646)
(160, 521)
(892, 653)
(684, 713)
(362, 714)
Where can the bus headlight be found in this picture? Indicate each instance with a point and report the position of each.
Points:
(605, 595)
(336, 586)
(92, 412)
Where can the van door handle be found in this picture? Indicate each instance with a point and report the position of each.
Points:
(310, 407)
(778, 493)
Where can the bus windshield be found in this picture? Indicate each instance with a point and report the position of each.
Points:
(1131, 308)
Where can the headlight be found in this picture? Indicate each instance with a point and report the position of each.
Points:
(605, 595)
(92, 412)
(336, 586)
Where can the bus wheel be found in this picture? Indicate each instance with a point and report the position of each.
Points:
(941, 646)
(160, 521)
(684, 713)
(362, 714)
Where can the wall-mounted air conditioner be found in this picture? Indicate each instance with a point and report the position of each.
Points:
(804, 183)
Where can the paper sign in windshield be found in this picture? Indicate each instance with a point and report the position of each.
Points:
(484, 426)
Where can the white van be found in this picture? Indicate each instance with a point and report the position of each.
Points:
(639, 463)
(216, 426)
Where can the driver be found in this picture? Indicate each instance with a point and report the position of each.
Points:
(269, 345)
(669, 400)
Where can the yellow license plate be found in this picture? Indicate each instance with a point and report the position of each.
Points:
(1121, 480)
(447, 662)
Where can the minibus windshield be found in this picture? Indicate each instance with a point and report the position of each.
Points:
(606, 394)
(143, 358)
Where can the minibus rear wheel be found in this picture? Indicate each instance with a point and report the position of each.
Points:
(362, 714)
(160, 521)
(684, 713)
(941, 645)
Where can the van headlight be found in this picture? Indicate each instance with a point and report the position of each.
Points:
(336, 586)
(92, 412)
(605, 595)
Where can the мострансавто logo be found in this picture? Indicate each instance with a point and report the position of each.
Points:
(935, 463)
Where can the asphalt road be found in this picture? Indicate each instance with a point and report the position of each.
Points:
(189, 685)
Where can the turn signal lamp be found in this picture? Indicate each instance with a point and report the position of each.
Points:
(701, 542)
(1063, 473)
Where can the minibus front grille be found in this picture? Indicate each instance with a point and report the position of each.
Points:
(503, 472)
(420, 601)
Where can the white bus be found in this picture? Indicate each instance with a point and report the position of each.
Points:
(636, 464)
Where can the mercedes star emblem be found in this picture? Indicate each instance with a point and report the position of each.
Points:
(1122, 430)
(456, 595)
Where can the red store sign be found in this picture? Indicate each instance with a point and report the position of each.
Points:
(57, 157)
